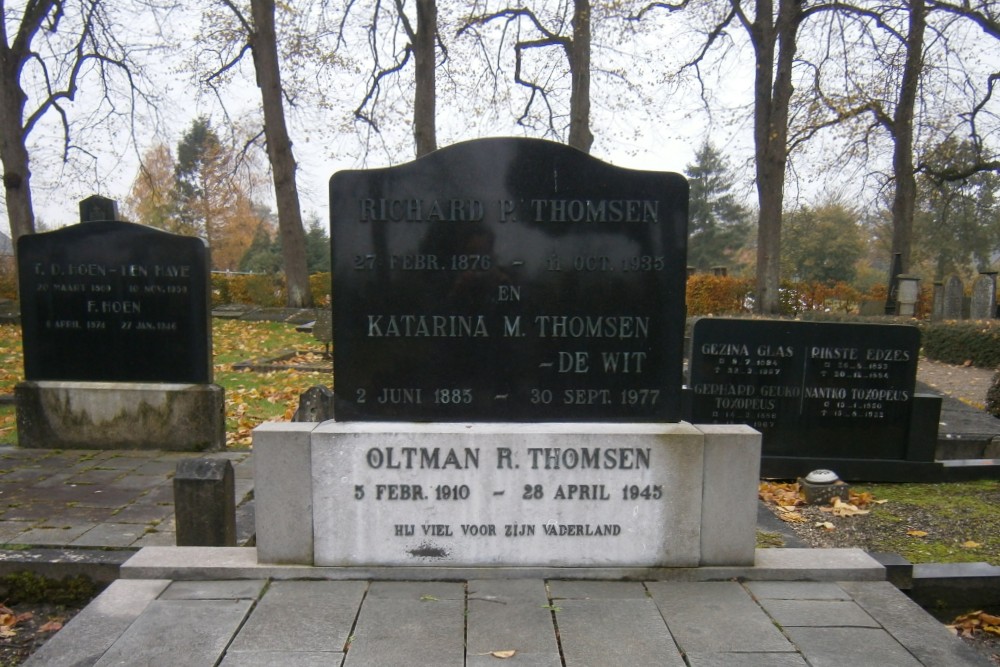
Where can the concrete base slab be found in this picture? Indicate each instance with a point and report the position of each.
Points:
(207, 563)
(472, 623)
(120, 415)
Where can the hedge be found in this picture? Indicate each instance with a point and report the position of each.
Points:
(976, 342)
(265, 290)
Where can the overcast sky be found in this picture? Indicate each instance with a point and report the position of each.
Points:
(640, 120)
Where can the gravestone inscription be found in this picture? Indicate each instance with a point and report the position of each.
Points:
(114, 301)
(824, 390)
(508, 280)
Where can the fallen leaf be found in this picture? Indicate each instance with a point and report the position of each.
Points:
(969, 544)
(6, 631)
(51, 626)
(917, 533)
(792, 517)
(840, 508)
(503, 655)
(825, 524)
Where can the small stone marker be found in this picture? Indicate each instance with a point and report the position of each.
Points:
(508, 280)
(954, 296)
(205, 503)
(984, 297)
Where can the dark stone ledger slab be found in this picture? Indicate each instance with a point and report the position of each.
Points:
(115, 302)
(813, 389)
(508, 280)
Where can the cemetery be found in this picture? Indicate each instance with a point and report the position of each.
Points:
(510, 408)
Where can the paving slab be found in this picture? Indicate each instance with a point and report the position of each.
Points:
(746, 660)
(696, 613)
(836, 647)
(508, 615)
(796, 590)
(818, 613)
(923, 636)
(310, 616)
(168, 631)
(93, 631)
(250, 589)
(407, 623)
(606, 630)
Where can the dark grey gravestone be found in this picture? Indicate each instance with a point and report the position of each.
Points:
(315, 405)
(954, 294)
(984, 297)
(205, 503)
(111, 301)
(508, 280)
(812, 389)
(937, 304)
(97, 208)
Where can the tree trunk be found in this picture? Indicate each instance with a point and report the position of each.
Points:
(905, 195)
(578, 54)
(772, 96)
(13, 153)
(279, 150)
(425, 93)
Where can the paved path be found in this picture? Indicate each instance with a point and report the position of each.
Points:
(471, 623)
(95, 498)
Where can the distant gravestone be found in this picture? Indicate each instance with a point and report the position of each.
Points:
(937, 303)
(984, 297)
(814, 390)
(508, 280)
(954, 295)
(116, 338)
(114, 301)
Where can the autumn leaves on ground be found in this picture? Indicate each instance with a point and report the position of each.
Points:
(924, 523)
(251, 397)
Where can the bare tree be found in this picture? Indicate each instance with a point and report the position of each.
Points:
(56, 47)
(260, 40)
(570, 34)
(422, 43)
(772, 29)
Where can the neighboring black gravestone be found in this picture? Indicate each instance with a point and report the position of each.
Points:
(114, 301)
(116, 338)
(814, 390)
(508, 280)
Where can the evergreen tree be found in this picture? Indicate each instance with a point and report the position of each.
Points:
(317, 247)
(957, 222)
(822, 244)
(719, 226)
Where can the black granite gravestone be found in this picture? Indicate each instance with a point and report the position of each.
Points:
(814, 390)
(114, 301)
(508, 280)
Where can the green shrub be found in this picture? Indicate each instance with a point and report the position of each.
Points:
(960, 342)
(28, 587)
(993, 397)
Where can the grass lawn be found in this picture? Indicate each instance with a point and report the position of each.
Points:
(251, 397)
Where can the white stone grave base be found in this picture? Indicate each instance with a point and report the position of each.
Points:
(120, 415)
(377, 494)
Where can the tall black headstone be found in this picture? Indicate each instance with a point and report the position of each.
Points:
(508, 280)
(111, 301)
